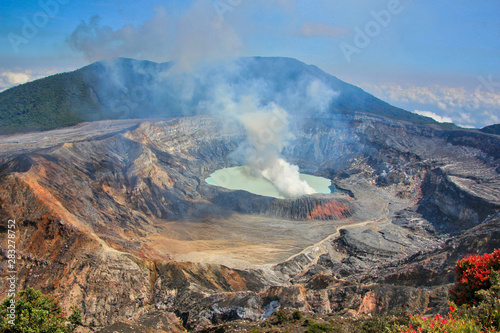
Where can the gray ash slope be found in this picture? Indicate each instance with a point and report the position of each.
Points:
(96, 204)
(90, 203)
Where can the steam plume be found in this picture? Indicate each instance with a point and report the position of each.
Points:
(267, 132)
(200, 36)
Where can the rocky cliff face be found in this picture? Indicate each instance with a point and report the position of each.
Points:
(116, 217)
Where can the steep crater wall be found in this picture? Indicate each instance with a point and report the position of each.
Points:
(318, 206)
(114, 188)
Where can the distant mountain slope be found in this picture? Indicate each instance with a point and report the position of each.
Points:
(492, 129)
(65, 99)
(127, 88)
(55, 101)
(351, 98)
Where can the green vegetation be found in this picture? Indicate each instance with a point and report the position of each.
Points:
(374, 325)
(448, 126)
(30, 311)
(98, 92)
(308, 322)
(477, 289)
(475, 273)
(319, 327)
(492, 129)
(56, 101)
(280, 316)
(297, 315)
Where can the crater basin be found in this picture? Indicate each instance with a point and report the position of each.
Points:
(244, 178)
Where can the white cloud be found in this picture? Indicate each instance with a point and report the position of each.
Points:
(201, 34)
(465, 120)
(11, 78)
(15, 78)
(477, 108)
(434, 116)
(445, 98)
(98, 42)
(311, 29)
(494, 118)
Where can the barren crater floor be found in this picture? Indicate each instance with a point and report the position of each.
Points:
(121, 209)
(241, 240)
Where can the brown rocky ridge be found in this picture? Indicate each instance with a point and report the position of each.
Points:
(116, 218)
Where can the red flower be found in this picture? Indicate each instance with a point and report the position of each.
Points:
(473, 274)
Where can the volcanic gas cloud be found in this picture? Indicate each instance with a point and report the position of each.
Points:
(267, 133)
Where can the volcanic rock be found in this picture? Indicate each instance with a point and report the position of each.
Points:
(118, 219)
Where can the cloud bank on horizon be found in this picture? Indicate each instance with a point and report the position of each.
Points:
(468, 108)
(399, 51)
(16, 76)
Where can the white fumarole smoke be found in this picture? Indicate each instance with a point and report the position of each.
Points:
(267, 132)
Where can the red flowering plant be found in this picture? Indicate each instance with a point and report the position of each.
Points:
(474, 273)
(454, 322)
(477, 290)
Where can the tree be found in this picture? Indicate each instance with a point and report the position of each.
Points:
(30, 311)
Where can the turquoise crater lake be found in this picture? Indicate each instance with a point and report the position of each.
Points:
(243, 178)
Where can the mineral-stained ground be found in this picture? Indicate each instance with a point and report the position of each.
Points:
(115, 217)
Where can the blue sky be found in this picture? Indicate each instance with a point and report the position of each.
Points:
(439, 58)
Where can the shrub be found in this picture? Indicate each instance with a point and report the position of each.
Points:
(297, 315)
(454, 322)
(75, 318)
(308, 322)
(320, 328)
(477, 289)
(280, 316)
(487, 312)
(36, 313)
(374, 325)
(474, 274)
